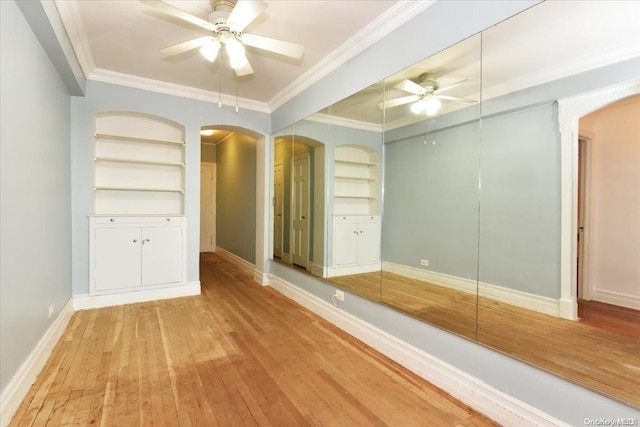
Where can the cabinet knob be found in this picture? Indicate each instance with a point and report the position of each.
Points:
(135, 241)
(148, 240)
(360, 231)
(168, 219)
(112, 220)
(355, 231)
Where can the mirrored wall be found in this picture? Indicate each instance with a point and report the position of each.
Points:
(445, 191)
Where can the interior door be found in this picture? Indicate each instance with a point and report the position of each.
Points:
(161, 255)
(207, 207)
(300, 241)
(580, 232)
(278, 210)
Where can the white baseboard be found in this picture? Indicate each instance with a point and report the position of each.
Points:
(616, 298)
(242, 263)
(497, 293)
(86, 301)
(498, 406)
(354, 269)
(318, 270)
(16, 390)
(263, 278)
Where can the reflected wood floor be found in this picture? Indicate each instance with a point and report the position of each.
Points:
(239, 354)
(601, 351)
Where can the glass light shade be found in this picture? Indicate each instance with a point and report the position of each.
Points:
(210, 50)
(235, 50)
(431, 105)
(417, 107)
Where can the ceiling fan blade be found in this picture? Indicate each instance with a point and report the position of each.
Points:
(179, 13)
(442, 89)
(244, 12)
(398, 101)
(244, 69)
(411, 87)
(179, 48)
(456, 99)
(291, 50)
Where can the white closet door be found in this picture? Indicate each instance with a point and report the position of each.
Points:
(368, 242)
(161, 255)
(117, 258)
(345, 235)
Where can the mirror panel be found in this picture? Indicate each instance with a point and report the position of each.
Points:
(526, 298)
(430, 222)
(282, 156)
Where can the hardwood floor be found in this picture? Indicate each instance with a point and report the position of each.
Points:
(601, 351)
(239, 354)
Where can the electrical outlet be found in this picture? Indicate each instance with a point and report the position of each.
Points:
(424, 262)
(339, 295)
(50, 311)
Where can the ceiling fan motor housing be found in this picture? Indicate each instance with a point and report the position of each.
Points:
(429, 81)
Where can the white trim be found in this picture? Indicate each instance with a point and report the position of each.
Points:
(17, 388)
(493, 403)
(263, 278)
(136, 82)
(344, 122)
(352, 269)
(69, 12)
(616, 298)
(393, 18)
(569, 112)
(86, 301)
(497, 293)
(318, 270)
(240, 262)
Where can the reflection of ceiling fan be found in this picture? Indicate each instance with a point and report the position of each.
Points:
(226, 24)
(426, 95)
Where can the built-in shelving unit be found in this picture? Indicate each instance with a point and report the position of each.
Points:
(355, 181)
(139, 165)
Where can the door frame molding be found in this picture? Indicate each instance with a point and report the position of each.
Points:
(307, 158)
(213, 165)
(282, 252)
(570, 110)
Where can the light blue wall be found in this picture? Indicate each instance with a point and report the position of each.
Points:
(236, 196)
(442, 25)
(35, 196)
(192, 114)
(431, 198)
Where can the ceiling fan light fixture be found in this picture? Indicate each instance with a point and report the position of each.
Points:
(429, 105)
(235, 50)
(210, 50)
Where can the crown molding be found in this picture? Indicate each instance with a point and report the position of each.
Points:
(136, 82)
(344, 122)
(69, 13)
(393, 18)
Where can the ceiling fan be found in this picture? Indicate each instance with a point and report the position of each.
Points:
(226, 24)
(426, 95)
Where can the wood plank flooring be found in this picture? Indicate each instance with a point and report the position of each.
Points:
(239, 354)
(601, 351)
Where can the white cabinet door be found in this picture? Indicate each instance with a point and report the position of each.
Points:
(345, 235)
(161, 255)
(368, 242)
(117, 258)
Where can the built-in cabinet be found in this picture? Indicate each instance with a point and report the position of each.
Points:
(138, 165)
(137, 232)
(355, 190)
(356, 221)
(133, 253)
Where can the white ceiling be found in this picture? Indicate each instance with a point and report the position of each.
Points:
(118, 41)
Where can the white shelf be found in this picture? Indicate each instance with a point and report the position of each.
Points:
(161, 190)
(138, 162)
(357, 178)
(355, 162)
(355, 197)
(139, 165)
(137, 139)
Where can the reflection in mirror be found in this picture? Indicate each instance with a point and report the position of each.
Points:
(299, 189)
(430, 222)
(355, 132)
(527, 291)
